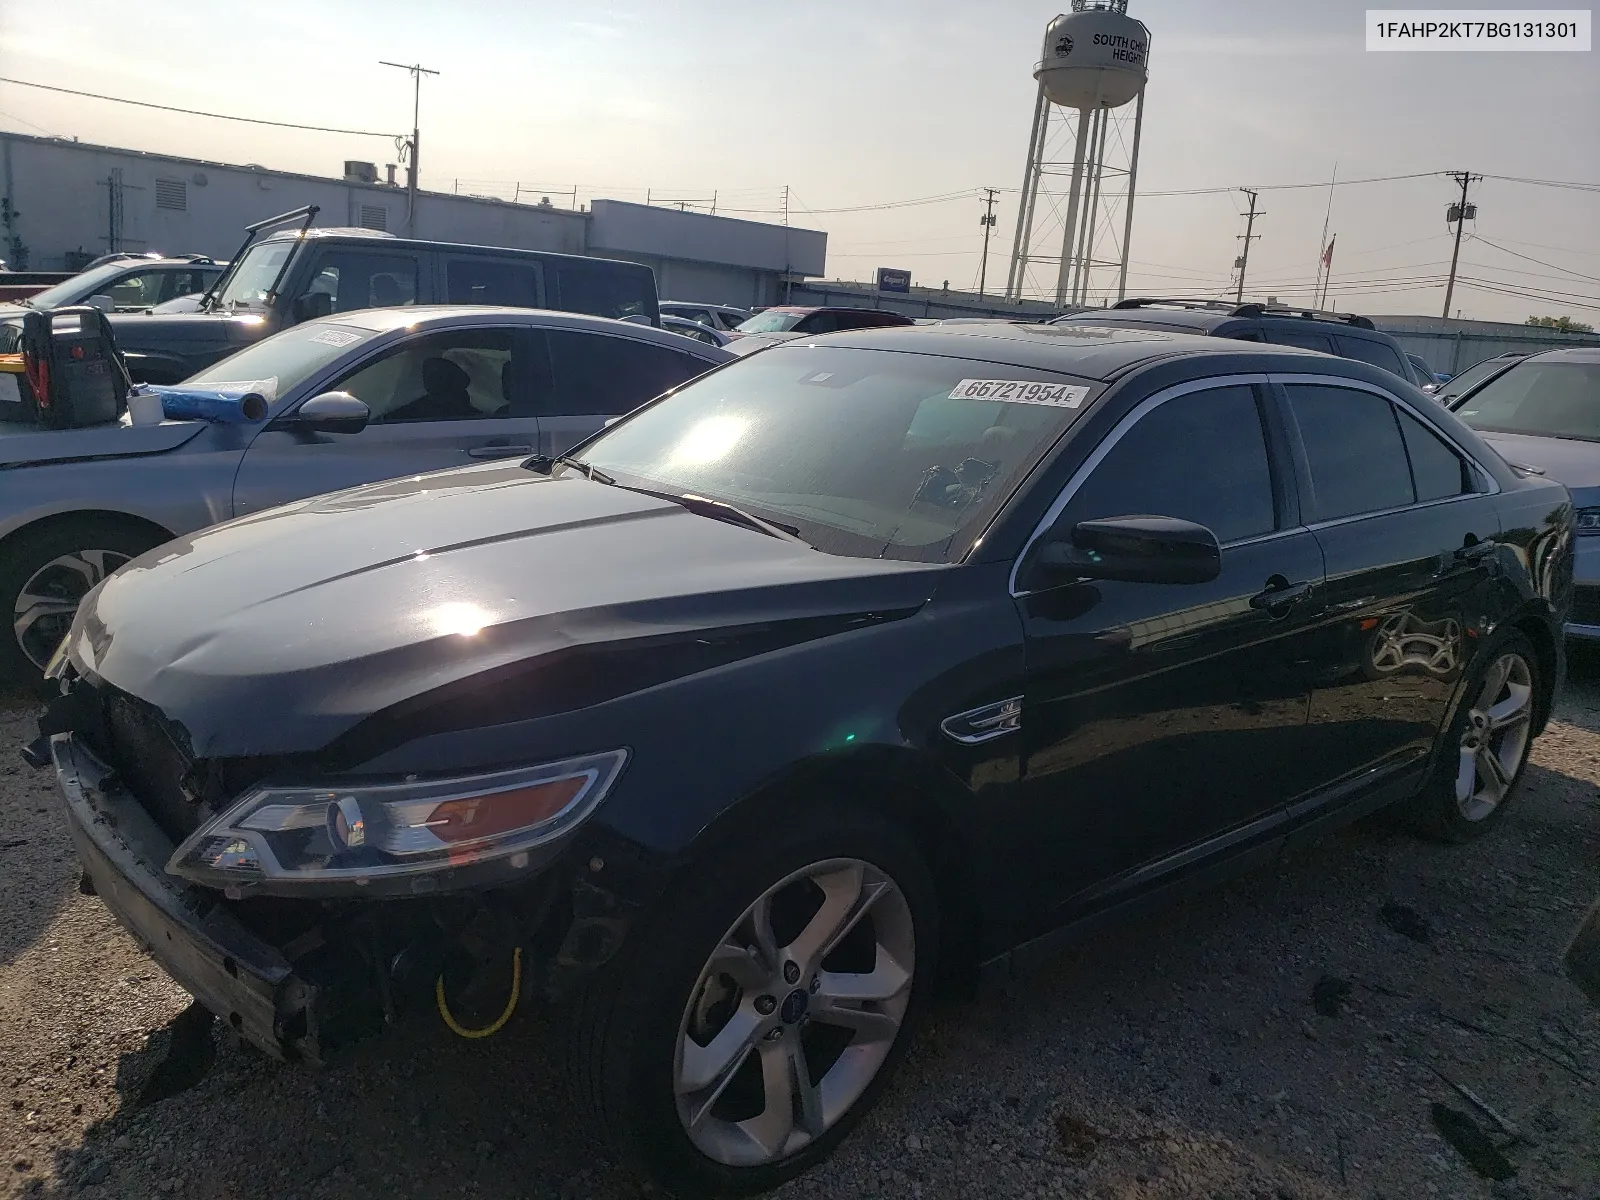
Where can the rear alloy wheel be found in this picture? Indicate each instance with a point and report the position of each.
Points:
(1495, 740)
(743, 1033)
(1484, 752)
(44, 575)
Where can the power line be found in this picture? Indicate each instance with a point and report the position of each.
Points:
(1540, 262)
(193, 112)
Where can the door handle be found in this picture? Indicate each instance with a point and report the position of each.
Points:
(498, 450)
(1279, 596)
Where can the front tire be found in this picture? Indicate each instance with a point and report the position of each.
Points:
(760, 1017)
(1485, 750)
(44, 573)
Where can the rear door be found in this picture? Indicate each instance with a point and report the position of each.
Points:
(1408, 530)
(585, 379)
(438, 400)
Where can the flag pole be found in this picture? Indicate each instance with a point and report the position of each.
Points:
(1322, 246)
(1327, 271)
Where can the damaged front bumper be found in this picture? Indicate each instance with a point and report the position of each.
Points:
(243, 979)
(342, 978)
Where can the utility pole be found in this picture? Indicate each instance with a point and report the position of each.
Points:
(1459, 213)
(417, 72)
(987, 221)
(1249, 233)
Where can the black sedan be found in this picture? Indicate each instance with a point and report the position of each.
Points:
(868, 660)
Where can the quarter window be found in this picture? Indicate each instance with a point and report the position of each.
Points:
(1436, 470)
(1368, 350)
(1200, 457)
(1354, 450)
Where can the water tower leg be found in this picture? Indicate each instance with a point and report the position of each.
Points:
(1074, 201)
(1091, 208)
(1133, 179)
(1030, 189)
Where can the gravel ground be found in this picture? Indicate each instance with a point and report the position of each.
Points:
(1285, 1036)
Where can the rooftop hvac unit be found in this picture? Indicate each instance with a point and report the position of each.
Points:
(360, 172)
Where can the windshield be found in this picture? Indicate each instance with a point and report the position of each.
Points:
(866, 452)
(275, 365)
(79, 287)
(1542, 398)
(247, 287)
(771, 322)
(1471, 377)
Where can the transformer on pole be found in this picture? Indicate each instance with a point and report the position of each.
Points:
(1072, 245)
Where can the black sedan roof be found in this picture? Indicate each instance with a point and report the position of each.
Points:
(1090, 352)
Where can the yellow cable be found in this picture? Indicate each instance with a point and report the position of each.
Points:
(516, 991)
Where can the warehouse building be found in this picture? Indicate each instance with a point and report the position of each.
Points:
(63, 203)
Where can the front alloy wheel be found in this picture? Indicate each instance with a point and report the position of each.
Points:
(42, 611)
(794, 1013)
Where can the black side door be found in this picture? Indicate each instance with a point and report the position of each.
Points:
(1162, 722)
(1409, 532)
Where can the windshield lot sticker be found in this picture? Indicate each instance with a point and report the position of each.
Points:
(1020, 391)
(336, 337)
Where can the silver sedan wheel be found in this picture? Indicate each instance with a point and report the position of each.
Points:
(1496, 737)
(43, 610)
(794, 1012)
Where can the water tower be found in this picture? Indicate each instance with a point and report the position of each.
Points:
(1096, 60)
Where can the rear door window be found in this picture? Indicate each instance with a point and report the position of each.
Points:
(596, 373)
(515, 283)
(1354, 450)
(1370, 350)
(1200, 457)
(1305, 339)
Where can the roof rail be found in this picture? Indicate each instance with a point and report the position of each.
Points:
(1154, 301)
(1308, 314)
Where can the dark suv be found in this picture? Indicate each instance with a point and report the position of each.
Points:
(301, 274)
(1344, 334)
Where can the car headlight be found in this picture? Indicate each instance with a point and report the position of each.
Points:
(1588, 520)
(420, 835)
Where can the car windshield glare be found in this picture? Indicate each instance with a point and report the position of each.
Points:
(1541, 398)
(248, 285)
(282, 362)
(1471, 377)
(771, 322)
(868, 453)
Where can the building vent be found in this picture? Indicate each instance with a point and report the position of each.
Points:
(360, 172)
(173, 194)
(374, 216)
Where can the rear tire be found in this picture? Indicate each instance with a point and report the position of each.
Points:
(44, 573)
(1485, 750)
(691, 1049)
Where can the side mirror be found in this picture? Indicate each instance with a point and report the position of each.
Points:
(1136, 549)
(329, 412)
(103, 302)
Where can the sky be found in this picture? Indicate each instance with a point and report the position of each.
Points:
(855, 104)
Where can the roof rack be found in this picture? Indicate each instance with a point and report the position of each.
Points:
(1245, 310)
(1163, 302)
(1307, 314)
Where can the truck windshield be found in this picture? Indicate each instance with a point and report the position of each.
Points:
(247, 285)
(276, 365)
